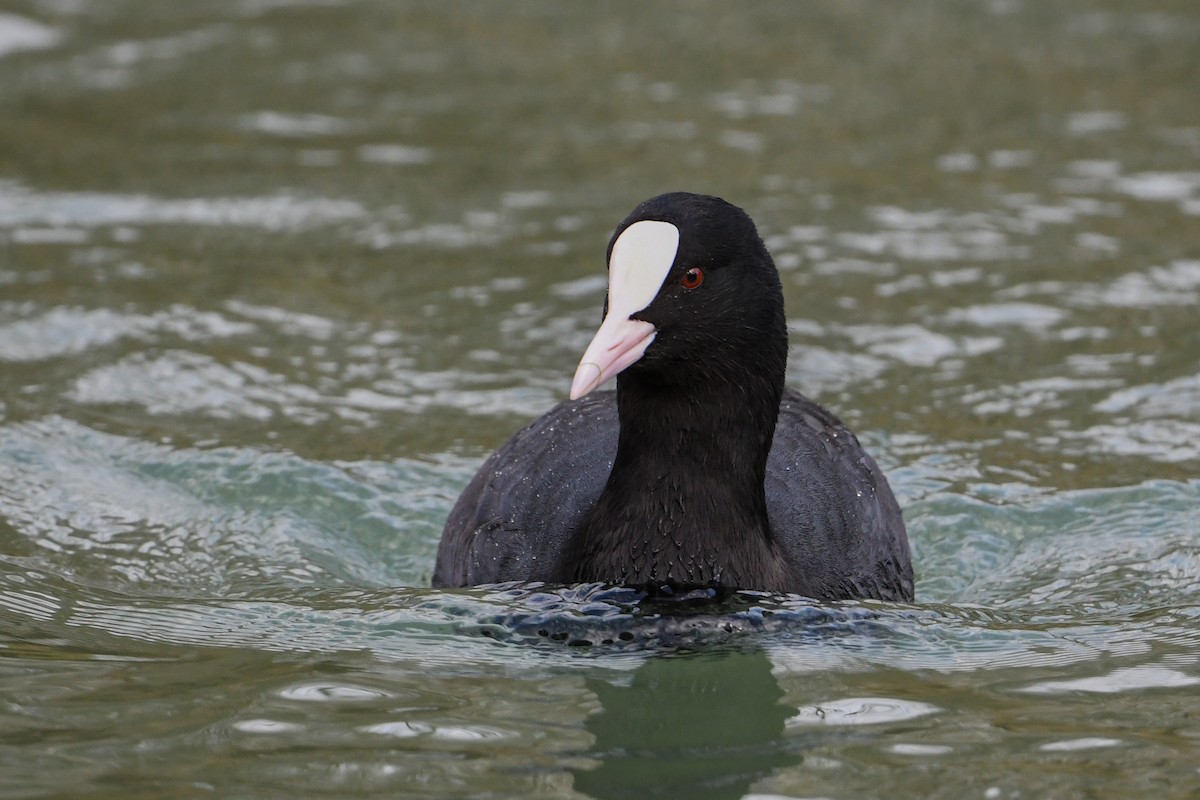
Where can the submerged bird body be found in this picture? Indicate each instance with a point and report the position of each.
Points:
(701, 469)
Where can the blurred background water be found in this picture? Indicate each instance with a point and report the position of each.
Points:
(276, 275)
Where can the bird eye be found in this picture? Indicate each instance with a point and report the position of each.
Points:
(692, 278)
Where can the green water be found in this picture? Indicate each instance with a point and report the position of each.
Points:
(276, 275)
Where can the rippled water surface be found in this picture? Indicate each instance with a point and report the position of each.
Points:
(276, 275)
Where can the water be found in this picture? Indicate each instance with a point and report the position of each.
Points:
(276, 276)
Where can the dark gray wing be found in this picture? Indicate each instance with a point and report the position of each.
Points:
(831, 509)
(520, 510)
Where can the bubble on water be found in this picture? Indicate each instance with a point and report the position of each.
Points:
(860, 711)
(331, 693)
(268, 726)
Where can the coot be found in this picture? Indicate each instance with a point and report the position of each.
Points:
(701, 469)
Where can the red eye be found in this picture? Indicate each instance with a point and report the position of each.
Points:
(692, 278)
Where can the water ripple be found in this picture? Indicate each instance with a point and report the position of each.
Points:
(20, 33)
(1121, 680)
(20, 206)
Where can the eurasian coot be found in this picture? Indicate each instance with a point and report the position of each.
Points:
(701, 470)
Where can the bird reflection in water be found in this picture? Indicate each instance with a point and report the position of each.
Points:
(704, 727)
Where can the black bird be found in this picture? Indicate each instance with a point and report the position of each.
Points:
(701, 470)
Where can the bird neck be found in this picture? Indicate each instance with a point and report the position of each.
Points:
(685, 503)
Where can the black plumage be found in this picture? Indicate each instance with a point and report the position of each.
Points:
(701, 469)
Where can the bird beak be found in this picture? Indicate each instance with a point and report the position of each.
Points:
(641, 259)
(619, 342)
